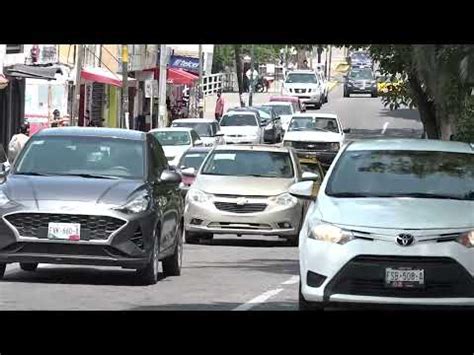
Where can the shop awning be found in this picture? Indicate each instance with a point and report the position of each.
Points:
(33, 72)
(104, 76)
(176, 76)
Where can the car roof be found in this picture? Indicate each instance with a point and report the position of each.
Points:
(195, 120)
(316, 114)
(250, 111)
(92, 132)
(253, 147)
(411, 144)
(272, 103)
(175, 129)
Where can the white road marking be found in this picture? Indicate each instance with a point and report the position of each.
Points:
(385, 127)
(266, 295)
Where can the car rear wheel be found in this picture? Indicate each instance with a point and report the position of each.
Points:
(346, 93)
(3, 267)
(29, 266)
(373, 94)
(149, 274)
(304, 305)
(172, 264)
(326, 98)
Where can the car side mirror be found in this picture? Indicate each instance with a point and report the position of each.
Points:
(170, 177)
(4, 169)
(303, 190)
(189, 172)
(198, 142)
(346, 130)
(309, 176)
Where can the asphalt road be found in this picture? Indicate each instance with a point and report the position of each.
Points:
(230, 273)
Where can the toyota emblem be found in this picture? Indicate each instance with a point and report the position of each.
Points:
(241, 201)
(405, 239)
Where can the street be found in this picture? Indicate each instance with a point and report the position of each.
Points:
(229, 273)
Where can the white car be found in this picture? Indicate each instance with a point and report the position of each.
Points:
(207, 129)
(324, 85)
(242, 127)
(391, 224)
(304, 84)
(285, 110)
(317, 134)
(175, 141)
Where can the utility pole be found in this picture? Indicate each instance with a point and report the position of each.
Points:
(125, 113)
(77, 87)
(252, 52)
(329, 66)
(162, 111)
(200, 92)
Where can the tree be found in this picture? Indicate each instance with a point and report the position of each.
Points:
(238, 67)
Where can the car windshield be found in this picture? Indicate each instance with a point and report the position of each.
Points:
(202, 129)
(249, 163)
(302, 123)
(238, 120)
(361, 75)
(306, 78)
(83, 156)
(360, 56)
(281, 110)
(192, 160)
(396, 173)
(167, 138)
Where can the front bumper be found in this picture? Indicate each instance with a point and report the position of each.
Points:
(307, 98)
(128, 246)
(271, 221)
(361, 90)
(354, 272)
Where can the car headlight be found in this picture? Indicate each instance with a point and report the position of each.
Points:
(466, 239)
(334, 147)
(329, 233)
(285, 199)
(3, 198)
(195, 195)
(287, 144)
(137, 204)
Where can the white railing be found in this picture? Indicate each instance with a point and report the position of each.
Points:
(211, 84)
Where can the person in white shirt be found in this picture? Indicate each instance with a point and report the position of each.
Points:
(17, 142)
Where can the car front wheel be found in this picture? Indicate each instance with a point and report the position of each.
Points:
(172, 264)
(3, 267)
(148, 275)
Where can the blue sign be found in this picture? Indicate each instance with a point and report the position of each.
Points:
(187, 63)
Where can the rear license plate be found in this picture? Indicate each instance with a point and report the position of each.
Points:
(404, 278)
(64, 231)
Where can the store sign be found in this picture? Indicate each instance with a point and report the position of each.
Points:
(187, 63)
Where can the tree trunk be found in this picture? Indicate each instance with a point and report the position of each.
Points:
(426, 107)
(301, 55)
(238, 68)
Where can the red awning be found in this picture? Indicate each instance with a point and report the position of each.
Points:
(101, 75)
(176, 76)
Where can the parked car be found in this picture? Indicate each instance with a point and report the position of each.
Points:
(317, 134)
(392, 224)
(242, 126)
(305, 85)
(285, 110)
(324, 85)
(207, 129)
(189, 165)
(175, 141)
(92, 196)
(244, 190)
(298, 105)
(360, 59)
(360, 81)
(273, 130)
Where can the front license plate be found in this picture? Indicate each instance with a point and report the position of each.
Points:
(404, 278)
(64, 231)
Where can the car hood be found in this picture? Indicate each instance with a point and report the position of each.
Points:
(242, 185)
(239, 130)
(312, 136)
(397, 213)
(175, 150)
(69, 188)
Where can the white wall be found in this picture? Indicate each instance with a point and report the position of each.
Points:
(3, 49)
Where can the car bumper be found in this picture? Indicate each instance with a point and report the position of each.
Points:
(446, 265)
(358, 90)
(128, 246)
(268, 222)
(307, 98)
(242, 140)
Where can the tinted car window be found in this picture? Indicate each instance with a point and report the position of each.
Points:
(203, 129)
(249, 163)
(83, 155)
(168, 138)
(192, 159)
(306, 78)
(404, 173)
(238, 120)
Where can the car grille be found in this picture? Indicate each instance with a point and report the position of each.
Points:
(36, 224)
(235, 208)
(300, 91)
(322, 146)
(241, 226)
(365, 276)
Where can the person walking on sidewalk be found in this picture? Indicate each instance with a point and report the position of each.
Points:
(219, 106)
(17, 142)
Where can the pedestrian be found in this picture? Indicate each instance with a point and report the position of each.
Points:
(219, 106)
(56, 118)
(17, 142)
(305, 64)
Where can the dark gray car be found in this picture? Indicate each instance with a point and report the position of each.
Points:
(92, 196)
(360, 81)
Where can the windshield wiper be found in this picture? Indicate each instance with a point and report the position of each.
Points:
(91, 176)
(30, 173)
(352, 194)
(427, 195)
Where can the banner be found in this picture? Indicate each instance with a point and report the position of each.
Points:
(186, 63)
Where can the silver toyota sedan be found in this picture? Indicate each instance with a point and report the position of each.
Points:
(393, 223)
(243, 189)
